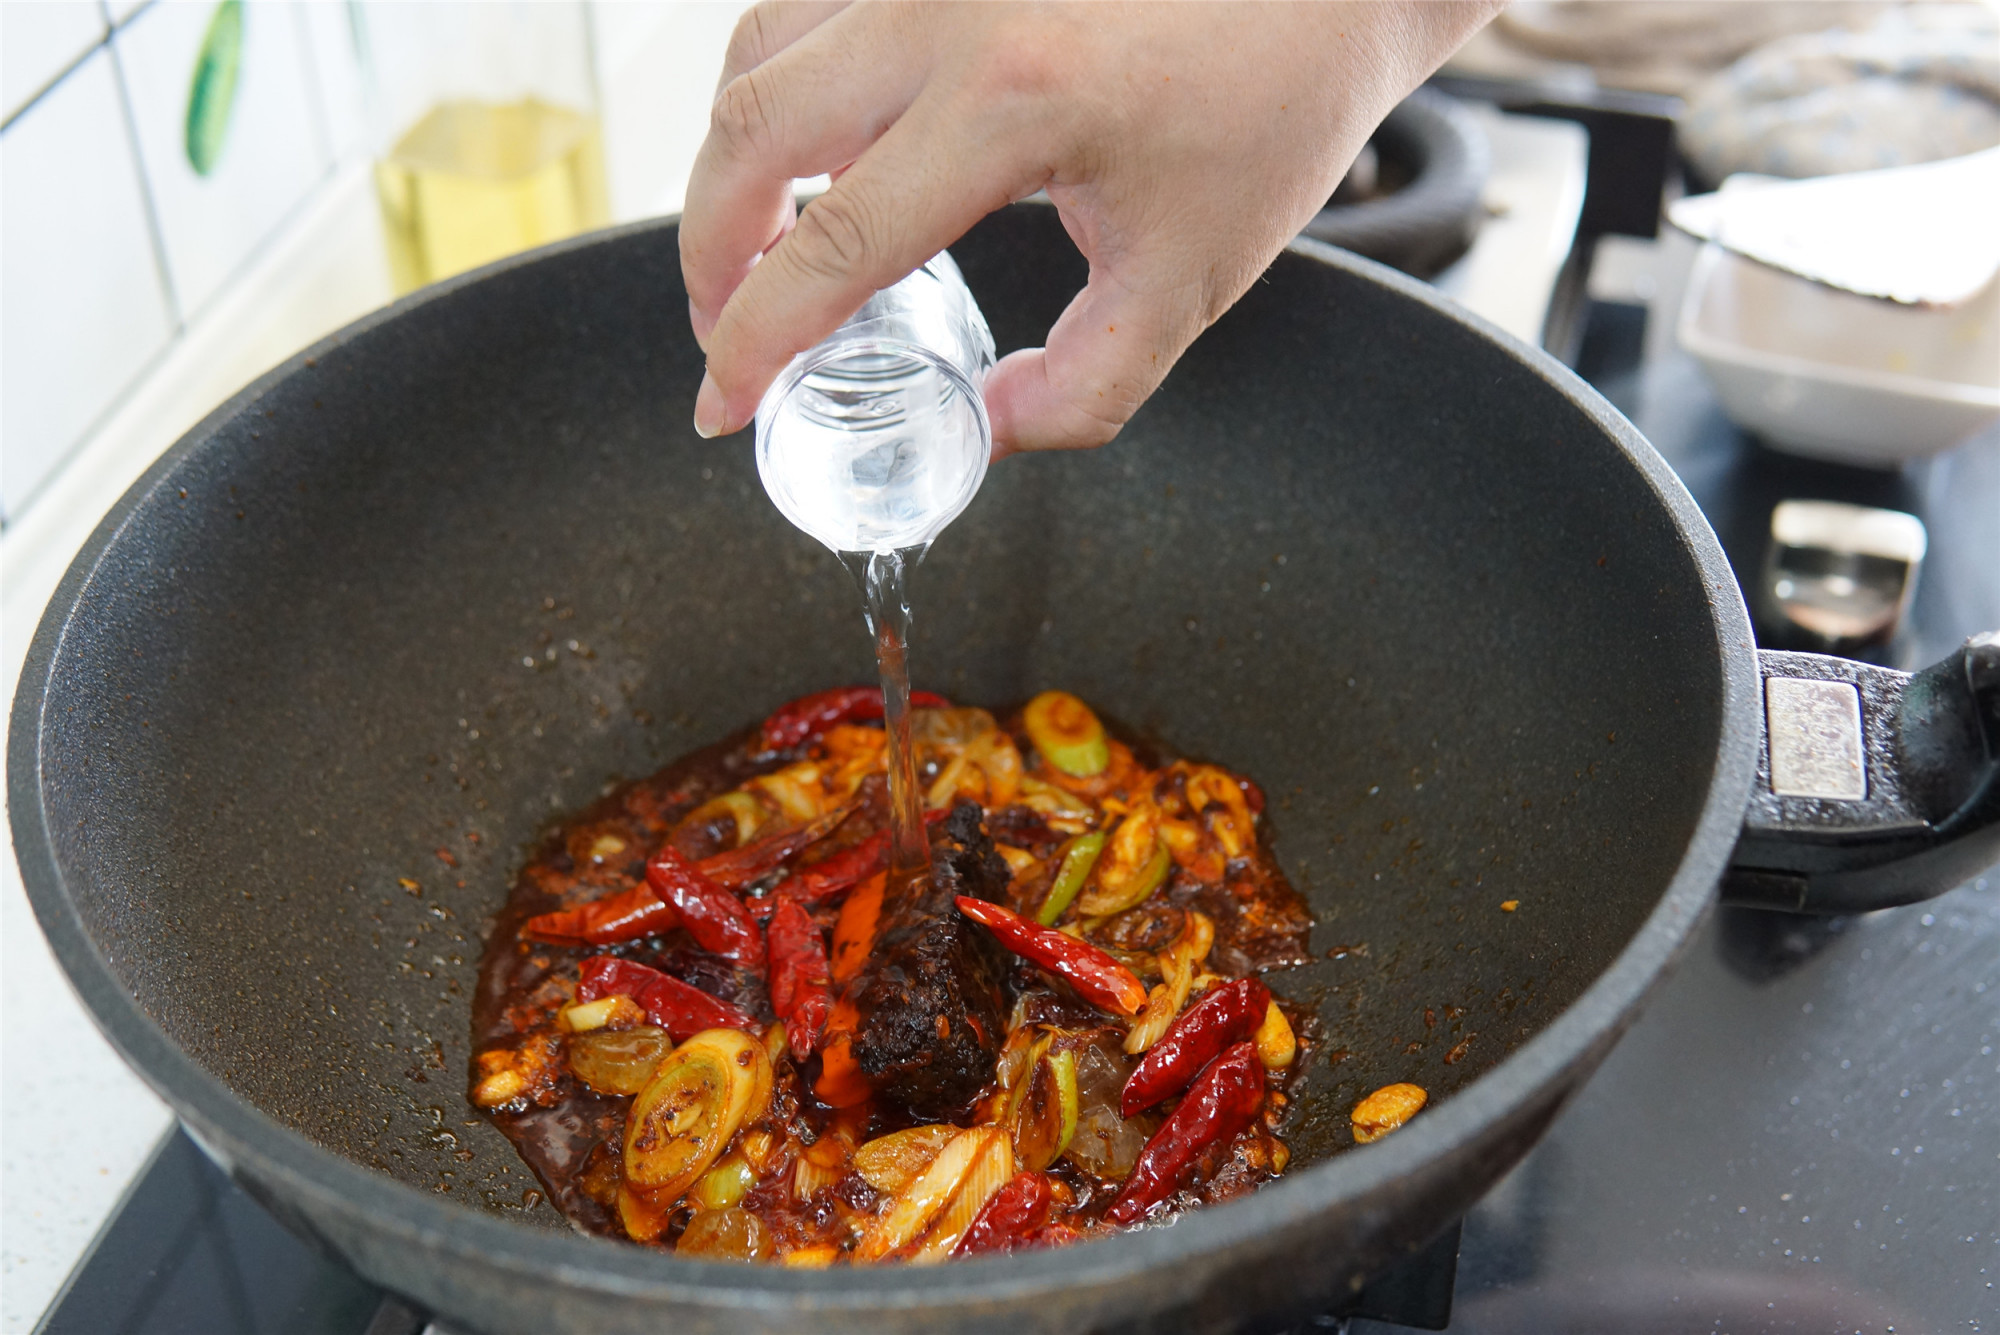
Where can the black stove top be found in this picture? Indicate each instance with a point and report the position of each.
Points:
(1801, 1134)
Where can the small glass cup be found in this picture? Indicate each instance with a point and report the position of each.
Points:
(876, 438)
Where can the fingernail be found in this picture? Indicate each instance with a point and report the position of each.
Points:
(708, 410)
(702, 323)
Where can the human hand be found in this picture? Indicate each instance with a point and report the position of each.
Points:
(1183, 144)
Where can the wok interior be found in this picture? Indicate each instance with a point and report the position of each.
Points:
(474, 563)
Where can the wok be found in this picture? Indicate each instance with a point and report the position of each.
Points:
(424, 588)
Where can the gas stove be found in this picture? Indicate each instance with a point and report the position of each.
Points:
(1801, 1133)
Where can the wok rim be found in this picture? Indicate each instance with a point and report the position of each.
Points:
(236, 1132)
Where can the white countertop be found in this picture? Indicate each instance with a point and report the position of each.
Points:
(75, 1124)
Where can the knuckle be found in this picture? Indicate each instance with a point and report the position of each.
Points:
(744, 117)
(1214, 301)
(1028, 68)
(1099, 400)
(747, 41)
(1098, 411)
(1033, 52)
(1221, 283)
(834, 237)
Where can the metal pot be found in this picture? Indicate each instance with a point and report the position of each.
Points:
(452, 569)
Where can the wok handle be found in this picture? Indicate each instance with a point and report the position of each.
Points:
(1874, 787)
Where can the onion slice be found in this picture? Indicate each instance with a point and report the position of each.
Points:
(1277, 1045)
(699, 1098)
(1178, 963)
(891, 1162)
(1044, 1119)
(1134, 864)
(992, 1168)
(925, 1198)
(619, 1061)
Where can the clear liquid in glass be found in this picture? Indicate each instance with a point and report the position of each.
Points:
(875, 451)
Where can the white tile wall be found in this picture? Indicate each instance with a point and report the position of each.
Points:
(120, 10)
(328, 31)
(656, 70)
(39, 39)
(112, 241)
(83, 309)
(271, 157)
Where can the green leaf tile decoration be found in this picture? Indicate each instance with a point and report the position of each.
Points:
(213, 93)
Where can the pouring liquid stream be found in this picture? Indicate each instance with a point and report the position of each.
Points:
(886, 605)
(871, 442)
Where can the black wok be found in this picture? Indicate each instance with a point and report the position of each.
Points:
(466, 561)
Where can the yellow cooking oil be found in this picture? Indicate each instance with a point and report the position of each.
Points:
(473, 181)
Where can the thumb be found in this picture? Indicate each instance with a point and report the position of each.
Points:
(1106, 354)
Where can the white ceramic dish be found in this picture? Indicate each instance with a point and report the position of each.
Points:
(1817, 371)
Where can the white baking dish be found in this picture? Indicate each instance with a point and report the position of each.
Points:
(1818, 371)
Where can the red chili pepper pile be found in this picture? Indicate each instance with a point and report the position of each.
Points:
(837, 874)
(1227, 1015)
(841, 872)
(714, 917)
(1013, 1215)
(760, 857)
(624, 916)
(1223, 1102)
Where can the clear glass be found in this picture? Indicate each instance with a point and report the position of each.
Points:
(485, 128)
(877, 438)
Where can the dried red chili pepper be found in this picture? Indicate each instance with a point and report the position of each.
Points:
(1053, 1235)
(624, 916)
(676, 1007)
(807, 717)
(1100, 980)
(715, 918)
(1223, 1101)
(1011, 1216)
(760, 857)
(800, 993)
(844, 870)
(1226, 1016)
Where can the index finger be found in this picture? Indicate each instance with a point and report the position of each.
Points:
(768, 29)
(919, 188)
(801, 112)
